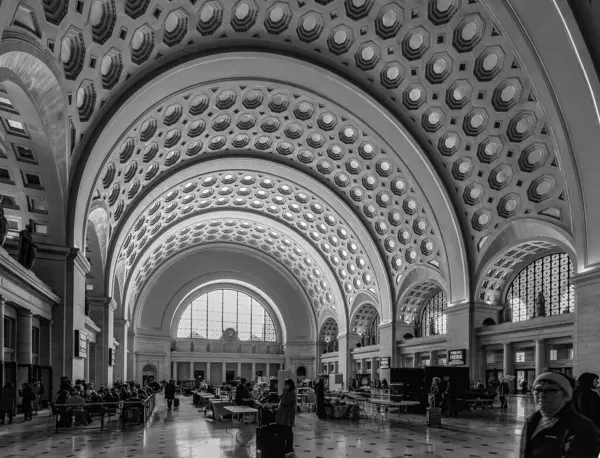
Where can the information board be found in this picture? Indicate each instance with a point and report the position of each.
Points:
(457, 357)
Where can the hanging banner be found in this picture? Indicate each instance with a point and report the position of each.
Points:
(80, 344)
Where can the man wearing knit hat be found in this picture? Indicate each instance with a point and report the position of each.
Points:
(555, 430)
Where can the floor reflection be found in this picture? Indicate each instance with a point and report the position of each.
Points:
(187, 433)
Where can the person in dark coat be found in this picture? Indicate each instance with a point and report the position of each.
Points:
(435, 396)
(504, 393)
(241, 393)
(170, 393)
(586, 399)
(450, 398)
(286, 412)
(556, 430)
(7, 402)
(27, 404)
(320, 392)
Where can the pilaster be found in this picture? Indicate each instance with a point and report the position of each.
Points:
(587, 321)
(102, 311)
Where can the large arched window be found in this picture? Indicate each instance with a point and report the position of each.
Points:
(433, 317)
(214, 312)
(550, 275)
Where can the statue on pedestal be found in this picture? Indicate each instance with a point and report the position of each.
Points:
(540, 304)
(417, 327)
(507, 313)
(27, 249)
(3, 224)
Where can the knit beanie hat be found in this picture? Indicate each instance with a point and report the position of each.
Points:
(558, 379)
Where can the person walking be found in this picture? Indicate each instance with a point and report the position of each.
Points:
(556, 430)
(320, 392)
(586, 399)
(504, 393)
(170, 393)
(286, 413)
(27, 404)
(8, 397)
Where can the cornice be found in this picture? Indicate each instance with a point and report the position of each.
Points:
(91, 325)
(22, 285)
(587, 278)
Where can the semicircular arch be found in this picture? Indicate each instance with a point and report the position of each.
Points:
(253, 65)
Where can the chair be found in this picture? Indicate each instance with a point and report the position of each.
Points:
(54, 413)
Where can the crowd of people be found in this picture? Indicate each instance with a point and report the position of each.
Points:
(30, 394)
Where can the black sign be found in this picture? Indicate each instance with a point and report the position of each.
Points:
(80, 344)
(384, 362)
(457, 357)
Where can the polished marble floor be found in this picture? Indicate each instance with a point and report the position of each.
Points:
(186, 433)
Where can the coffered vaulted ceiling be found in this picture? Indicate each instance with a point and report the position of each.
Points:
(445, 68)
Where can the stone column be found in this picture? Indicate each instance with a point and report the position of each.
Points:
(432, 358)
(192, 370)
(253, 371)
(24, 349)
(45, 343)
(64, 269)
(461, 334)
(388, 347)
(586, 346)
(346, 343)
(268, 370)
(415, 360)
(223, 372)
(374, 369)
(102, 311)
(540, 356)
(121, 333)
(508, 366)
(207, 375)
(129, 352)
(239, 370)
(2, 303)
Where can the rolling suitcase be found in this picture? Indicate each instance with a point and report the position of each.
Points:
(176, 403)
(271, 441)
(434, 416)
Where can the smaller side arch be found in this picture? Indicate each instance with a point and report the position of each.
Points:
(513, 248)
(416, 289)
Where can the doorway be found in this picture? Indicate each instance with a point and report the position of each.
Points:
(229, 375)
(523, 379)
(149, 373)
(494, 374)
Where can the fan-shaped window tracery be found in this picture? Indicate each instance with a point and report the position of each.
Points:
(543, 288)
(433, 317)
(210, 314)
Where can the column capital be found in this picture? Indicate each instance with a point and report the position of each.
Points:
(2, 301)
(25, 313)
(121, 322)
(79, 260)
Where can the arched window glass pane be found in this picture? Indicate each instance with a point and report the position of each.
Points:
(215, 314)
(210, 314)
(551, 275)
(185, 324)
(199, 309)
(373, 331)
(244, 317)
(433, 317)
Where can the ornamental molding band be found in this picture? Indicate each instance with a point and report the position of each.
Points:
(312, 135)
(269, 241)
(445, 67)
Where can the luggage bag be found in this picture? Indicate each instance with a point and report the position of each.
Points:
(434, 416)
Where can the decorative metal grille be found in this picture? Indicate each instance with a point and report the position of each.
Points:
(433, 317)
(550, 275)
(213, 312)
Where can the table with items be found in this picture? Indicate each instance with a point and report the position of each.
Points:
(217, 407)
(381, 407)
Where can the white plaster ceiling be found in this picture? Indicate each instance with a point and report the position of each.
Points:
(444, 68)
